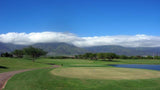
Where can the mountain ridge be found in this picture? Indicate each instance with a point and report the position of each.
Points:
(52, 48)
(56, 49)
(129, 51)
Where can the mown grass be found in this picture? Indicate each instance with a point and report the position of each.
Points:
(43, 80)
(81, 62)
(11, 64)
(105, 73)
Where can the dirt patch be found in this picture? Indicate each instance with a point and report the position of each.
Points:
(4, 77)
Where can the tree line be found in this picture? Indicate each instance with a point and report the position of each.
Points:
(110, 56)
(28, 51)
(37, 52)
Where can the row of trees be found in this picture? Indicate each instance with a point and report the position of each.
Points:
(95, 56)
(29, 51)
(6, 54)
(110, 56)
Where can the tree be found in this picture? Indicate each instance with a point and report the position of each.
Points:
(123, 57)
(76, 56)
(34, 52)
(93, 56)
(149, 57)
(90, 56)
(18, 53)
(87, 55)
(79, 56)
(156, 57)
(101, 56)
(6, 54)
(110, 56)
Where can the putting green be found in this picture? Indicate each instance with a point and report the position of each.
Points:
(105, 73)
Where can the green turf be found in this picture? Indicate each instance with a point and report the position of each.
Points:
(43, 80)
(82, 62)
(12, 64)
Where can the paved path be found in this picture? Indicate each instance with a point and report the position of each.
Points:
(4, 77)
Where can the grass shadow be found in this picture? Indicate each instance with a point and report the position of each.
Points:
(50, 63)
(111, 60)
(3, 67)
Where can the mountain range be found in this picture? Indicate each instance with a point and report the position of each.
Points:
(129, 51)
(55, 49)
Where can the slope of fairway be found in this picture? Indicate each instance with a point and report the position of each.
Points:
(12, 64)
(43, 80)
(105, 73)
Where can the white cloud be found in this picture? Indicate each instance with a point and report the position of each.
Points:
(140, 40)
(122, 40)
(37, 37)
(15, 38)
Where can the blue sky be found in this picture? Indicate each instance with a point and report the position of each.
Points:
(83, 23)
(82, 17)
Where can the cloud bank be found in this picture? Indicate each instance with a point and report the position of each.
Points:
(140, 40)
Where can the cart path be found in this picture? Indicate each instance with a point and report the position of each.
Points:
(4, 77)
